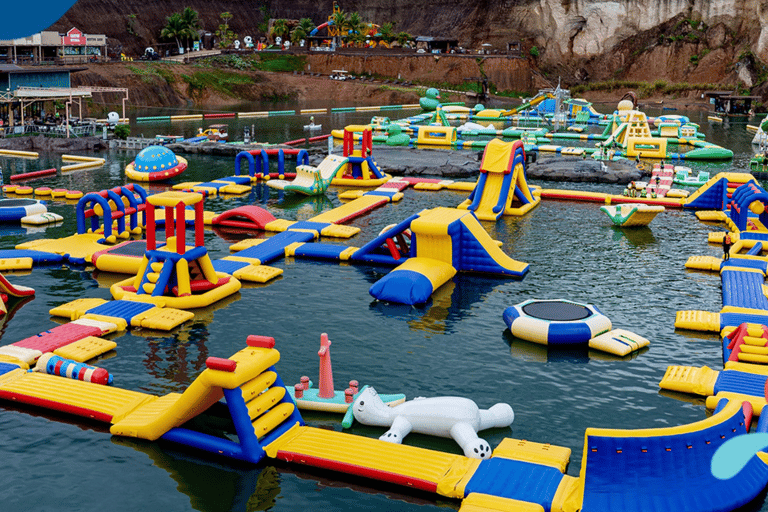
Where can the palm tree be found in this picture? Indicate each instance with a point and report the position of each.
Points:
(354, 26)
(175, 28)
(297, 34)
(191, 19)
(280, 28)
(340, 23)
(306, 25)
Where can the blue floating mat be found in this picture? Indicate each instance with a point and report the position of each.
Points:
(516, 480)
(239, 180)
(274, 248)
(314, 226)
(743, 289)
(38, 257)
(320, 251)
(228, 266)
(124, 309)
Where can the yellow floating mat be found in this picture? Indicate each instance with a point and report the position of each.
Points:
(429, 186)
(245, 244)
(477, 502)
(618, 342)
(351, 194)
(340, 214)
(430, 470)
(257, 273)
(464, 186)
(15, 263)
(704, 263)
(278, 225)
(103, 403)
(711, 215)
(163, 319)
(76, 308)
(77, 246)
(85, 349)
(535, 453)
(340, 231)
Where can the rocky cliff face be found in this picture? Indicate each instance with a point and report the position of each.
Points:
(677, 40)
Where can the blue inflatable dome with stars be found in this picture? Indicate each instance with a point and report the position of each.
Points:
(155, 158)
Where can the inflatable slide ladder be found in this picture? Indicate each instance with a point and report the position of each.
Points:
(254, 393)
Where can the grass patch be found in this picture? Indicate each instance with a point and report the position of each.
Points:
(261, 62)
(151, 71)
(219, 80)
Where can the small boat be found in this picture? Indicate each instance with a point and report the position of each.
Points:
(216, 132)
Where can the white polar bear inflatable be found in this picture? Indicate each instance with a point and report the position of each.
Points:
(455, 417)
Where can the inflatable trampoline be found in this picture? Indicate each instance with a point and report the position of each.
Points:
(15, 209)
(555, 322)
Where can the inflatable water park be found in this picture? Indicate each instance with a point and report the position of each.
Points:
(228, 252)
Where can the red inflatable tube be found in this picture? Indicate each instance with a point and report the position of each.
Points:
(292, 142)
(216, 116)
(35, 174)
(319, 137)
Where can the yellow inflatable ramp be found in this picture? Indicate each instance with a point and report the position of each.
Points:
(350, 210)
(428, 470)
(102, 403)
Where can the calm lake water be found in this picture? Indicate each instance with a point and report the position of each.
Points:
(455, 345)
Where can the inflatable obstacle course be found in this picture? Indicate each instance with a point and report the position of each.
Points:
(501, 188)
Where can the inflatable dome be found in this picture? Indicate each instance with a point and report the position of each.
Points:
(155, 163)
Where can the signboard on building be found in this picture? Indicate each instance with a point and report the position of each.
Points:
(73, 38)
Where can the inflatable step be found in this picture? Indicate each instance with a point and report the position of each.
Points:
(697, 320)
(537, 453)
(690, 379)
(618, 342)
(704, 263)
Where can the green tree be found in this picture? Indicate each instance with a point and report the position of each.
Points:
(403, 38)
(341, 22)
(174, 28)
(280, 29)
(387, 32)
(122, 131)
(354, 26)
(191, 20)
(306, 25)
(225, 35)
(297, 34)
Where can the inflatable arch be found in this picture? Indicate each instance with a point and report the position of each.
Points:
(118, 203)
(302, 158)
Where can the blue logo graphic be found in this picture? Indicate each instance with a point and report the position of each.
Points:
(735, 453)
(22, 19)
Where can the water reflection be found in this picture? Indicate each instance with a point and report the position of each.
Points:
(637, 237)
